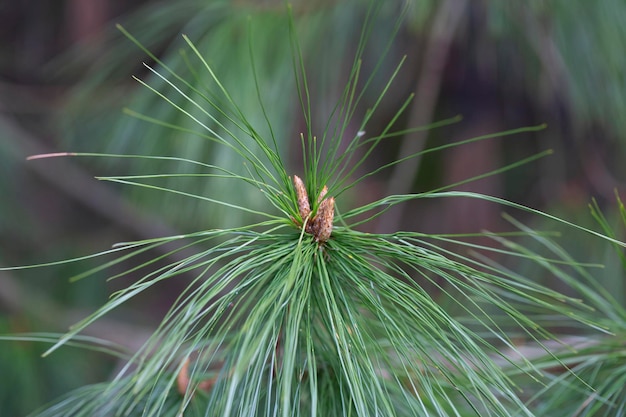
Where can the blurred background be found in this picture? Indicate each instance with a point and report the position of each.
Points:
(65, 76)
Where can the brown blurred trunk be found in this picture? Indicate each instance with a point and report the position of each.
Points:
(469, 215)
(86, 19)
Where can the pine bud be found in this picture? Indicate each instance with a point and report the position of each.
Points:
(304, 206)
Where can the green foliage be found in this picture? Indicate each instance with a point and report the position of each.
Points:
(226, 35)
(530, 48)
(276, 321)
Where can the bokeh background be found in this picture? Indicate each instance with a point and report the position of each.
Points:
(65, 76)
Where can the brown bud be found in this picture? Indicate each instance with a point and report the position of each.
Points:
(304, 206)
(322, 194)
(322, 225)
(182, 379)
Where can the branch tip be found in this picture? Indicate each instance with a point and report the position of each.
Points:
(50, 155)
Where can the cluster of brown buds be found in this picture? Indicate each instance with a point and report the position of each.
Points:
(321, 225)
